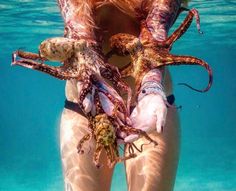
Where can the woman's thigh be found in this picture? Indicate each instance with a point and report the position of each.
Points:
(80, 173)
(155, 168)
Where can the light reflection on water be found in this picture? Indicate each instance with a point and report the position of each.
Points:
(31, 102)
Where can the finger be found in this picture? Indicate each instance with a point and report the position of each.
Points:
(107, 105)
(161, 118)
(131, 138)
(87, 103)
(120, 141)
(128, 121)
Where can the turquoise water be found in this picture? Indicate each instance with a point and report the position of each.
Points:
(31, 102)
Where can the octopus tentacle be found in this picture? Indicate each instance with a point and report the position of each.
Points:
(121, 159)
(86, 88)
(116, 158)
(97, 154)
(146, 36)
(131, 130)
(59, 72)
(161, 16)
(109, 155)
(183, 27)
(125, 86)
(82, 141)
(190, 60)
(116, 102)
(139, 150)
(115, 149)
(115, 78)
(181, 9)
(144, 134)
(112, 149)
(27, 55)
(130, 148)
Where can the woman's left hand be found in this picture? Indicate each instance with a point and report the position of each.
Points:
(149, 115)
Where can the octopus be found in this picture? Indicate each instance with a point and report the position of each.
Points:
(147, 53)
(107, 114)
(80, 62)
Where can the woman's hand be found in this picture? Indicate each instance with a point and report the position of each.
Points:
(150, 112)
(149, 115)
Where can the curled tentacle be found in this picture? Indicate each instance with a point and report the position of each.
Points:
(133, 145)
(82, 141)
(189, 60)
(130, 130)
(181, 9)
(184, 27)
(112, 73)
(130, 148)
(141, 147)
(144, 134)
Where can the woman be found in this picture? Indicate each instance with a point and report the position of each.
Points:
(154, 168)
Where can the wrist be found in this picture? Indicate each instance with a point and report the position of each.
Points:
(152, 84)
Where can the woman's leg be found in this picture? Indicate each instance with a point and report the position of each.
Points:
(80, 173)
(155, 168)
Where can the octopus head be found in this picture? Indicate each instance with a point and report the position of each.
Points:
(57, 49)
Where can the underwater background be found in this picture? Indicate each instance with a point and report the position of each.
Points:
(31, 102)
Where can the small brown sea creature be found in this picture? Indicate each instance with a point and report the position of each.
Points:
(104, 133)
